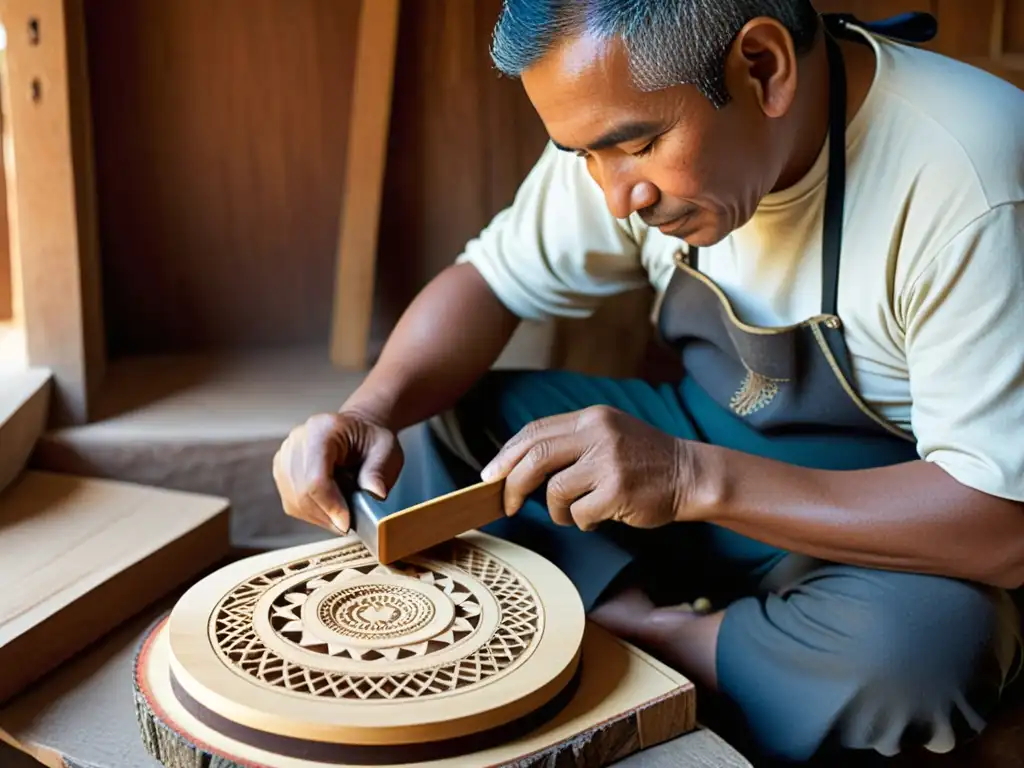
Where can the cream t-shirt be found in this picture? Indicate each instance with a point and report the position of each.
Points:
(931, 284)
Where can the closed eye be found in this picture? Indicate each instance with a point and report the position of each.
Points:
(645, 151)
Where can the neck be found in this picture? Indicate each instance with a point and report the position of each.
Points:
(810, 113)
(811, 109)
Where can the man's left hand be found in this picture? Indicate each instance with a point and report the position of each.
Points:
(601, 464)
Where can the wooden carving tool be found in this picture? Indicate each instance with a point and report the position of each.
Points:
(391, 534)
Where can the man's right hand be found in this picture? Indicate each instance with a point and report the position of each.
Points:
(304, 466)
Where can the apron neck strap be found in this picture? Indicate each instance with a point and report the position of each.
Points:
(835, 190)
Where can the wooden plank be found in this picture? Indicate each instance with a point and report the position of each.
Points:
(78, 556)
(48, 170)
(365, 165)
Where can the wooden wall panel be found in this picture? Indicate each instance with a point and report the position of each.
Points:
(221, 132)
(50, 198)
(462, 140)
(220, 143)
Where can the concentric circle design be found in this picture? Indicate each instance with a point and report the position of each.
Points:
(346, 627)
(330, 635)
(375, 612)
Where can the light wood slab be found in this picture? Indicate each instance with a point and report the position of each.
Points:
(366, 162)
(393, 535)
(51, 198)
(78, 556)
(323, 643)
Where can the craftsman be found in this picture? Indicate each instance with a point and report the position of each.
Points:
(832, 219)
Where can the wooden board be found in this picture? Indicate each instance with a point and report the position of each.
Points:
(78, 556)
(24, 407)
(84, 715)
(51, 200)
(366, 161)
(391, 534)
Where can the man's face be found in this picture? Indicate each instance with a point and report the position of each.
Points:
(694, 172)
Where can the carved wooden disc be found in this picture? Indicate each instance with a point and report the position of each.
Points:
(323, 643)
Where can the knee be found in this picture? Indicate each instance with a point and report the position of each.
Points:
(925, 633)
(858, 659)
(924, 666)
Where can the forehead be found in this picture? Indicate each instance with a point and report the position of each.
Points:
(583, 88)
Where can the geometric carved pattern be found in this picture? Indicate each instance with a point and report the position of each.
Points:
(342, 626)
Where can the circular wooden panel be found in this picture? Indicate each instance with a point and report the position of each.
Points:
(324, 643)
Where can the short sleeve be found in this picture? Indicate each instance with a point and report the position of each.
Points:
(964, 326)
(557, 250)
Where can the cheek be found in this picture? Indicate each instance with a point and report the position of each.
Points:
(727, 166)
(680, 169)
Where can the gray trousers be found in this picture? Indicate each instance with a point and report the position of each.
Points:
(812, 656)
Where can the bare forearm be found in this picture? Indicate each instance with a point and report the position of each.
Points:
(448, 337)
(911, 517)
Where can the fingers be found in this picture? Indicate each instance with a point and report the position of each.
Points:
(520, 444)
(295, 505)
(327, 497)
(567, 489)
(318, 453)
(591, 509)
(303, 473)
(381, 464)
(544, 458)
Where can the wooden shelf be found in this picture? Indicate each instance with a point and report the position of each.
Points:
(78, 556)
(204, 424)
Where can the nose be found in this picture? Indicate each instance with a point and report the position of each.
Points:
(625, 194)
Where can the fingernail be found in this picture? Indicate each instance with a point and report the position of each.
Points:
(338, 527)
(487, 473)
(375, 487)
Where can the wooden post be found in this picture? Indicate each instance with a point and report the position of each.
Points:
(51, 200)
(365, 164)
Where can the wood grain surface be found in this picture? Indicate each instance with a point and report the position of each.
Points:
(78, 556)
(54, 254)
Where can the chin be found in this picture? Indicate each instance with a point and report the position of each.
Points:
(701, 234)
(716, 227)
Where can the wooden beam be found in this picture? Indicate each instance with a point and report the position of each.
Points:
(365, 164)
(51, 200)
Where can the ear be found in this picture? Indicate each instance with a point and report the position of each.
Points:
(763, 61)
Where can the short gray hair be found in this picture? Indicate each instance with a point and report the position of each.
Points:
(668, 42)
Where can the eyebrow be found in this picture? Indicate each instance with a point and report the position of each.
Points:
(618, 135)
